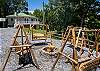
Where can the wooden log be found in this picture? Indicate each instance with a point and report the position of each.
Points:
(75, 56)
(61, 50)
(34, 59)
(15, 37)
(20, 46)
(97, 48)
(89, 64)
(26, 49)
(82, 44)
(69, 58)
(92, 30)
(2, 67)
(20, 36)
(27, 40)
(17, 44)
(78, 38)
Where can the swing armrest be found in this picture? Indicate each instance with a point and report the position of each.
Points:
(20, 46)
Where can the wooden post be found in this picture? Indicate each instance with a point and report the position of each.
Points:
(74, 36)
(97, 46)
(46, 31)
(75, 56)
(34, 59)
(32, 32)
(61, 50)
(96, 42)
(83, 41)
(15, 36)
(26, 36)
(19, 48)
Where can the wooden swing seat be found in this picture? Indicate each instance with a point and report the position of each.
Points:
(39, 36)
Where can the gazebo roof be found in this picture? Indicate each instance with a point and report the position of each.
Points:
(21, 15)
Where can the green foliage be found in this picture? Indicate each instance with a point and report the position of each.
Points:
(10, 6)
(61, 13)
(92, 22)
(38, 13)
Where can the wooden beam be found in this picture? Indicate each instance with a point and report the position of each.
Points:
(87, 30)
(20, 51)
(33, 57)
(15, 36)
(97, 48)
(69, 58)
(20, 36)
(27, 40)
(61, 50)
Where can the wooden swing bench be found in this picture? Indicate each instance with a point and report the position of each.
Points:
(26, 54)
(38, 37)
(79, 63)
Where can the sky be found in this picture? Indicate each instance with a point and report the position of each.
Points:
(35, 4)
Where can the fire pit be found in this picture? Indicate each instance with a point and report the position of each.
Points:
(50, 49)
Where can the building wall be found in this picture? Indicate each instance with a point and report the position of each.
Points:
(3, 23)
(11, 21)
(21, 20)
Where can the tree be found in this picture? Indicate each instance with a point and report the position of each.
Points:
(61, 13)
(83, 8)
(2, 2)
(75, 11)
(10, 6)
(39, 14)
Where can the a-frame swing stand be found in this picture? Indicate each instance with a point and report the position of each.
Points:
(23, 49)
(86, 63)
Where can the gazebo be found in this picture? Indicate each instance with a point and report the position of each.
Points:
(21, 18)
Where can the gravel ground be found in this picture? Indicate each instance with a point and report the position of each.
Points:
(45, 61)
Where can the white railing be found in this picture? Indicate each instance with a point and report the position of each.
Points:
(29, 22)
(26, 23)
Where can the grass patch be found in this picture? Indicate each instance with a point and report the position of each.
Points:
(27, 30)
